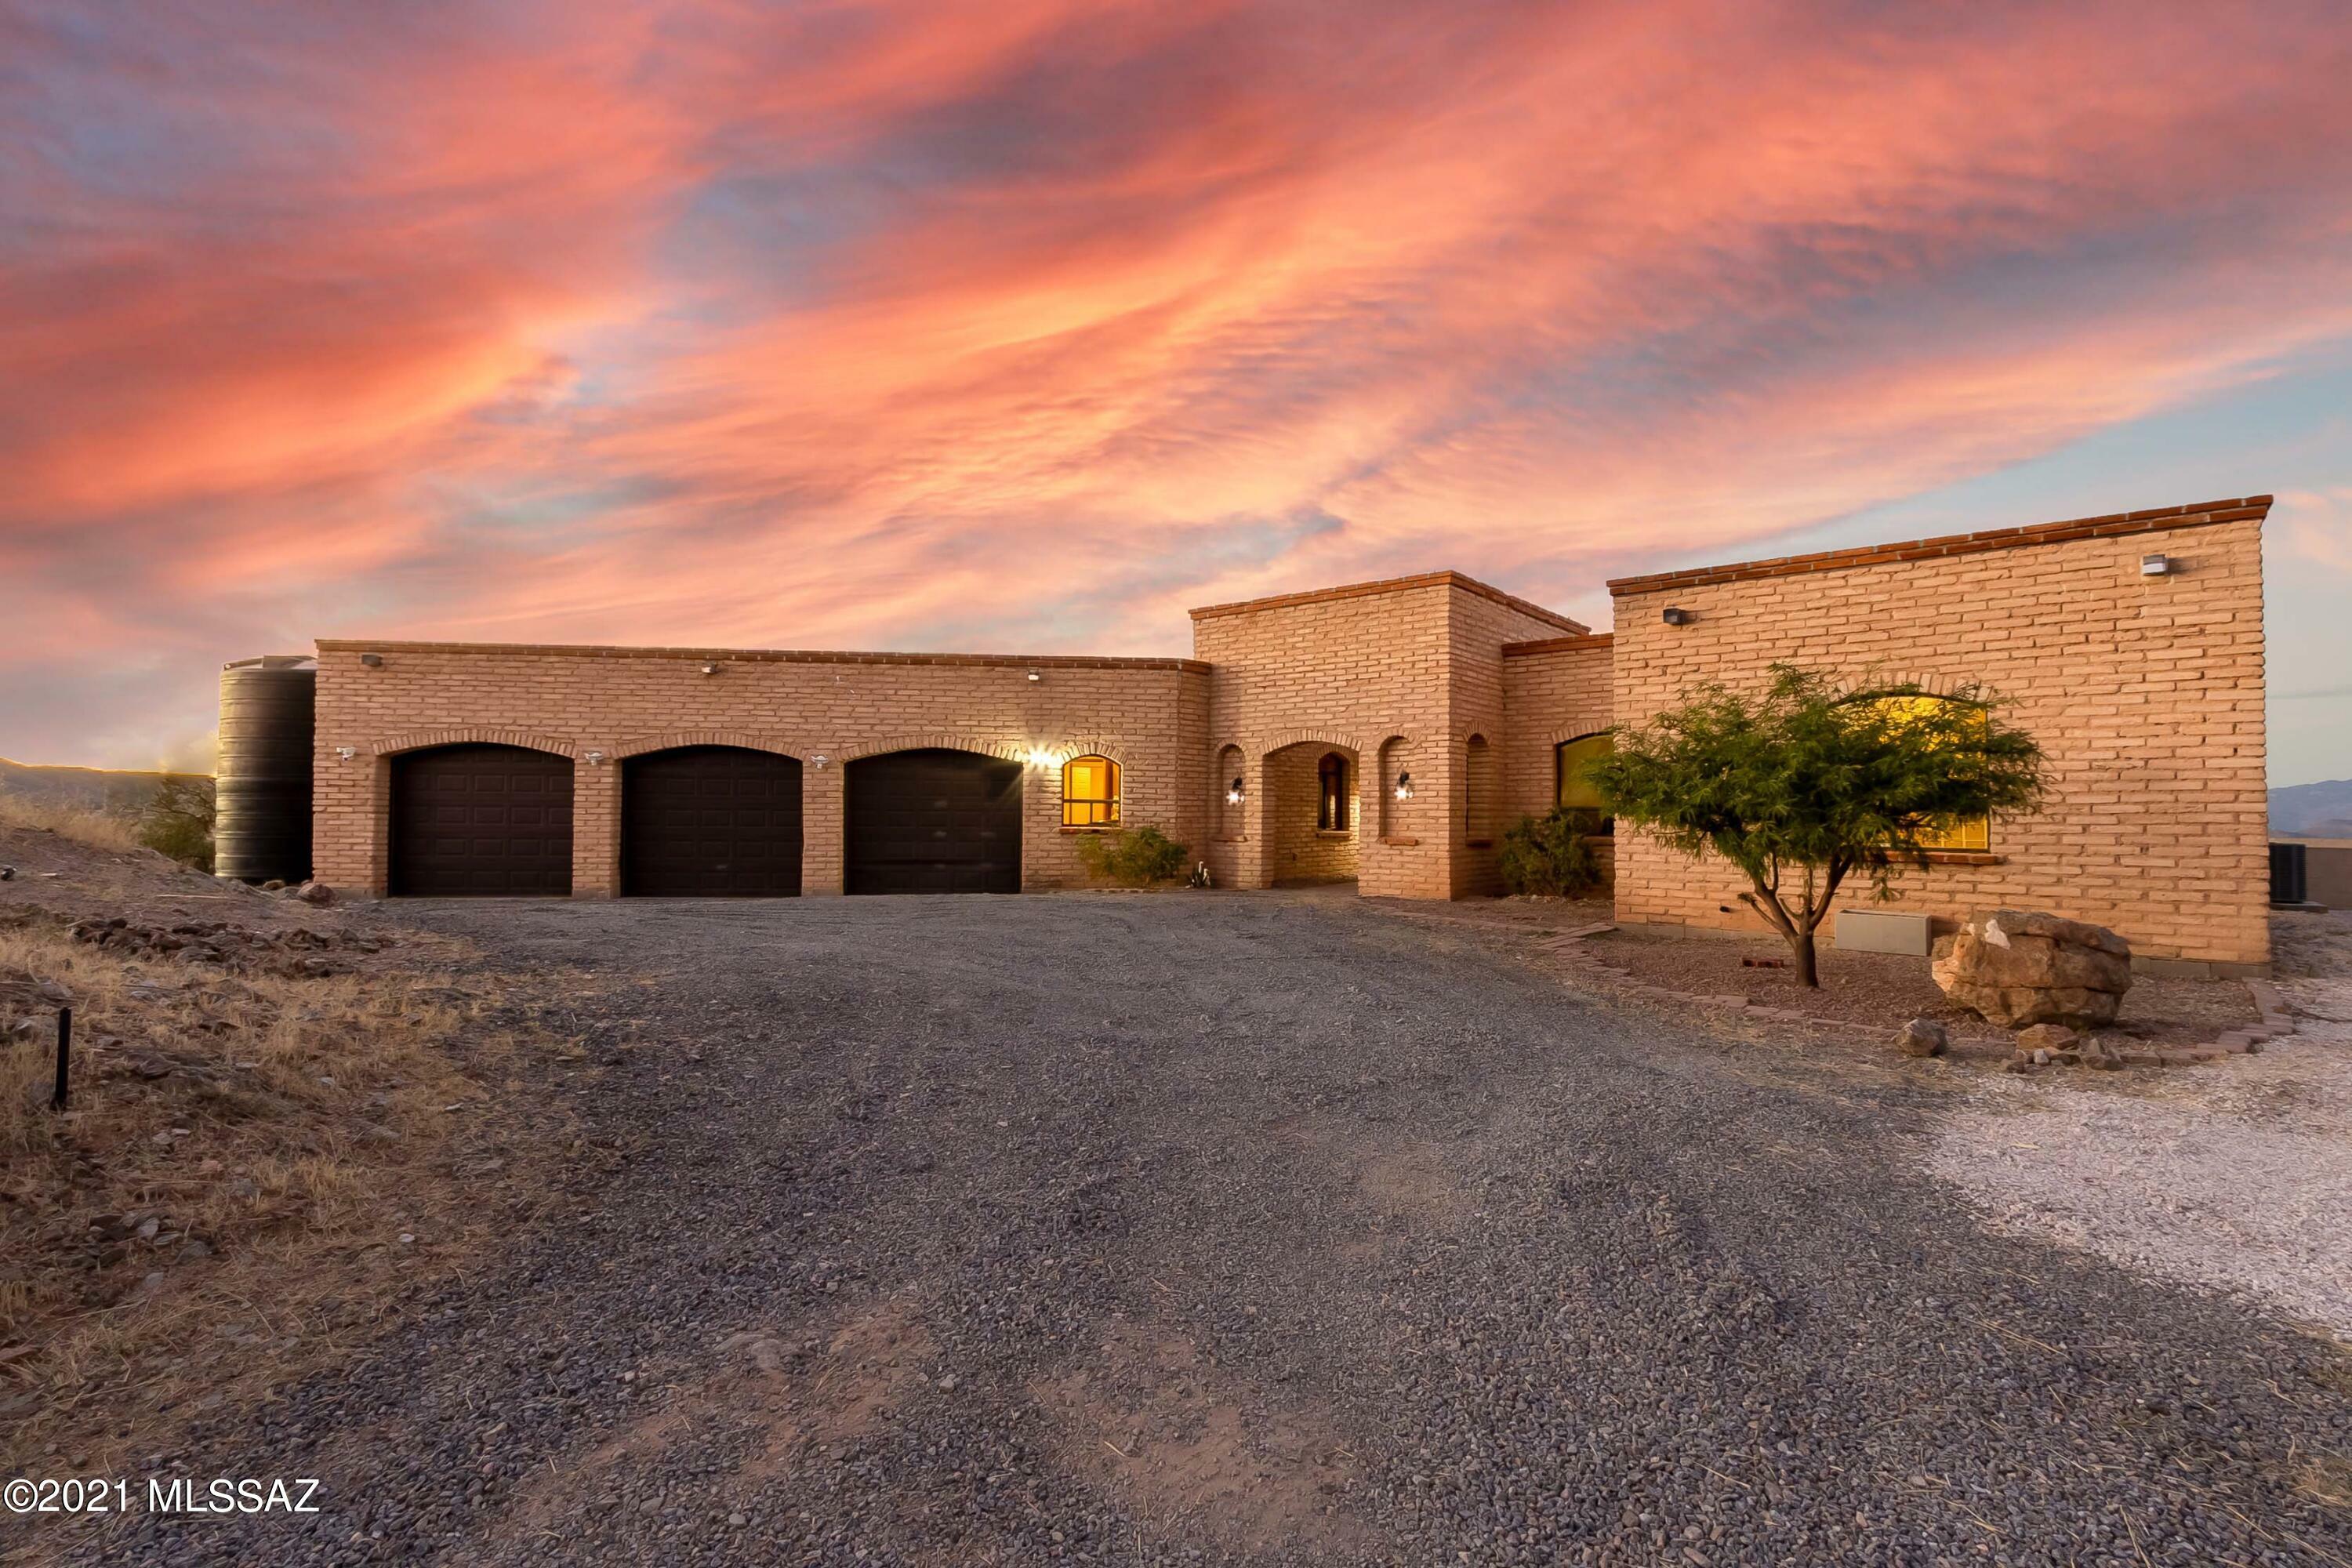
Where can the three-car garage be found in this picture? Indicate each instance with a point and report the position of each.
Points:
(702, 821)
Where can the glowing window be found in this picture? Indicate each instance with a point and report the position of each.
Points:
(1089, 792)
(1972, 832)
(1571, 788)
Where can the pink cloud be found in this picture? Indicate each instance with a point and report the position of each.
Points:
(870, 323)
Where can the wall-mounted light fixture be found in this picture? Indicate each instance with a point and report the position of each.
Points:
(595, 759)
(710, 670)
(2157, 567)
(1675, 617)
(347, 752)
(1404, 787)
(1037, 759)
(373, 661)
(1233, 791)
(819, 760)
(1036, 675)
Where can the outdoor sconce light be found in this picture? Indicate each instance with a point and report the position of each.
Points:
(1404, 787)
(2156, 566)
(710, 670)
(595, 759)
(1233, 791)
(1036, 675)
(1674, 617)
(347, 752)
(373, 661)
(1041, 759)
(819, 760)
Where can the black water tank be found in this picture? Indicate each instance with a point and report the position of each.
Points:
(261, 787)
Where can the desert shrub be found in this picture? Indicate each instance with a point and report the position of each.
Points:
(1133, 858)
(94, 828)
(178, 821)
(1552, 854)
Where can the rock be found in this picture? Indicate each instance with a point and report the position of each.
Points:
(2046, 1038)
(273, 886)
(2016, 968)
(1923, 1037)
(315, 893)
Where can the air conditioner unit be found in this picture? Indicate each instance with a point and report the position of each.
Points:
(1876, 930)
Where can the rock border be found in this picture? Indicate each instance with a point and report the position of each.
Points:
(2276, 1021)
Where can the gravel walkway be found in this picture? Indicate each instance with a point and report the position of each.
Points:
(2238, 1176)
(1264, 1230)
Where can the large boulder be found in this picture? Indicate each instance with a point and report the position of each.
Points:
(2017, 968)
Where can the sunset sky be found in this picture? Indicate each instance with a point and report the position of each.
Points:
(1022, 325)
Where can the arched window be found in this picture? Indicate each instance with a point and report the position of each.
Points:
(1478, 791)
(1089, 792)
(1572, 788)
(1972, 832)
(1332, 794)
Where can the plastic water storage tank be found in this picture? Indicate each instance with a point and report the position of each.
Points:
(261, 788)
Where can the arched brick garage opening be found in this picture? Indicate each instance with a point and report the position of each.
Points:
(932, 821)
(710, 822)
(480, 820)
(1312, 816)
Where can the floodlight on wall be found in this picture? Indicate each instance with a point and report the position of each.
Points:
(819, 760)
(2157, 566)
(710, 670)
(595, 759)
(1675, 617)
(1037, 759)
(373, 661)
(1036, 675)
(1233, 791)
(347, 752)
(1404, 787)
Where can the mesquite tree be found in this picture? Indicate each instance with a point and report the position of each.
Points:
(1808, 784)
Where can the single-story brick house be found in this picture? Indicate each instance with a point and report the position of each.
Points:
(1381, 732)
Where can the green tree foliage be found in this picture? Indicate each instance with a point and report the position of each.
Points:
(1808, 785)
(178, 820)
(1134, 858)
(1552, 854)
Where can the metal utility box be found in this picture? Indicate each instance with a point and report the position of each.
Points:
(1877, 930)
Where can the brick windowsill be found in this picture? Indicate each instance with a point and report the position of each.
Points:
(1395, 842)
(1966, 858)
(1094, 827)
(1333, 833)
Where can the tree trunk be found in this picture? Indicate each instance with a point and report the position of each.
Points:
(1801, 942)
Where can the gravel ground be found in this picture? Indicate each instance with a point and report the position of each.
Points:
(1888, 988)
(1255, 1230)
(2238, 1175)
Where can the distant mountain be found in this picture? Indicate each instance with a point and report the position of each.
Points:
(91, 789)
(2313, 810)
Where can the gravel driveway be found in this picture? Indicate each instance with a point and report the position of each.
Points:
(1253, 1228)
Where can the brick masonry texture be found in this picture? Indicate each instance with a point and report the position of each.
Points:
(2146, 691)
(1147, 715)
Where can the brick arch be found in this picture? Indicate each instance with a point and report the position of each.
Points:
(1268, 745)
(1005, 750)
(1089, 746)
(671, 740)
(465, 735)
(1577, 731)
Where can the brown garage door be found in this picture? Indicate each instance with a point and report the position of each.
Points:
(480, 820)
(933, 822)
(710, 822)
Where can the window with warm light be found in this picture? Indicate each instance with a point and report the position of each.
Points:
(1089, 792)
(1572, 788)
(1332, 813)
(1967, 835)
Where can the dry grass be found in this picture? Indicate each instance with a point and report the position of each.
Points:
(95, 828)
(274, 1136)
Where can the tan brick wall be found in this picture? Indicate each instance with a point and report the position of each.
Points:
(1151, 716)
(2146, 692)
(1400, 674)
(1554, 690)
(1478, 631)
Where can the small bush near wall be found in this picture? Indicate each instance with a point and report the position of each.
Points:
(1552, 854)
(1136, 857)
(178, 821)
